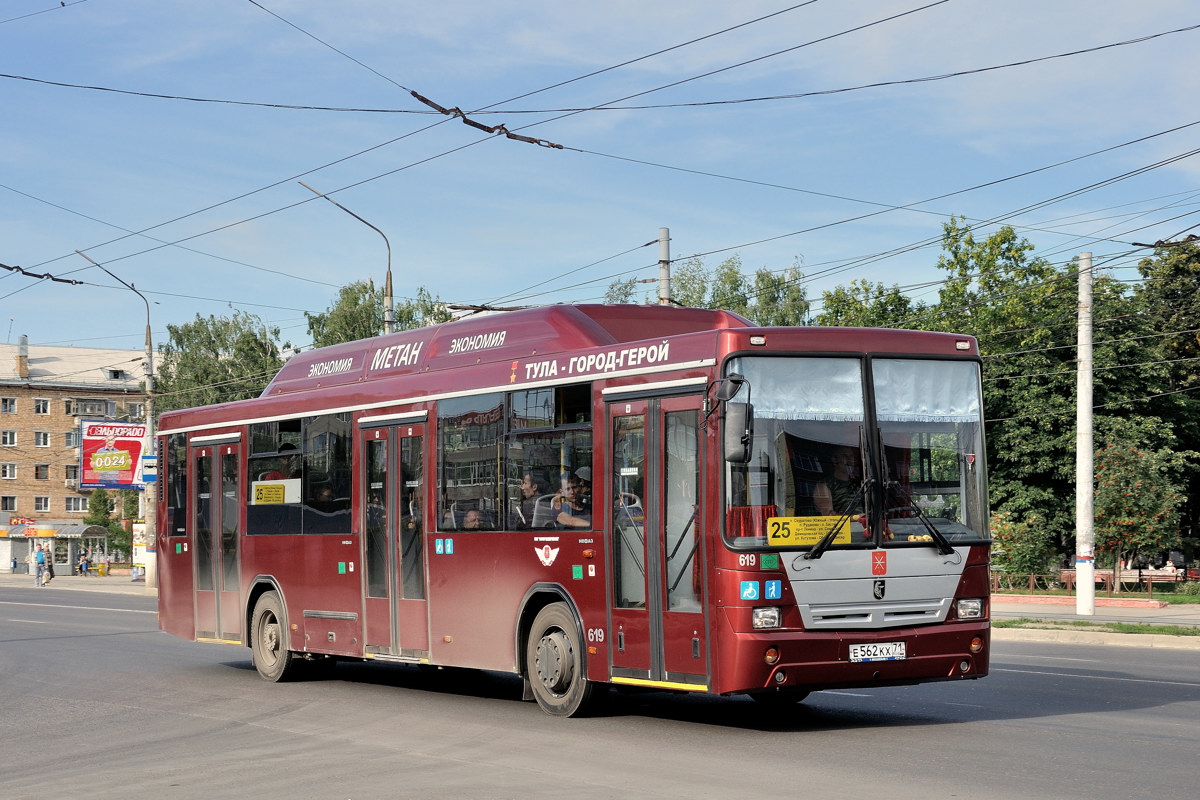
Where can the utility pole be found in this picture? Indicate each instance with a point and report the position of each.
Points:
(664, 267)
(1085, 531)
(150, 488)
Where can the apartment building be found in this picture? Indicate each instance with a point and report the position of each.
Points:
(44, 393)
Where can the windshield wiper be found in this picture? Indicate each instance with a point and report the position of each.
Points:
(827, 540)
(943, 544)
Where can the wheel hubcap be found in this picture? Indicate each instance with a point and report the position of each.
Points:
(270, 637)
(555, 668)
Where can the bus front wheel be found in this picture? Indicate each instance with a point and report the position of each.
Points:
(554, 662)
(268, 640)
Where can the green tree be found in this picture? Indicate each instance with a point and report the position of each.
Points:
(1022, 311)
(779, 298)
(1169, 298)
(621, 292)
(1137, 501)
(356, 314)
(423, 310)
(769, 299)
(730, 290)
(217, 359)
(1021, 546)
(100, 512)
(867, 305)
(689, 283)
(1171, 295)
(99, 508)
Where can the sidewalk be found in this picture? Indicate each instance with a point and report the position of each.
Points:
(119, 584)
(1149, 612)
(1062, 610)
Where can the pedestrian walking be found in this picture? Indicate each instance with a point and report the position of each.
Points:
(38, 565)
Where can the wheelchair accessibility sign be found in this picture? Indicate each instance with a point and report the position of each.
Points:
(750, 590)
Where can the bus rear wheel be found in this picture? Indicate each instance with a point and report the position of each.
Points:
(268, 640)
(554, 663)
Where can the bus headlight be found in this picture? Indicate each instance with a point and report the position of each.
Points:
(767, 617)
(970, 608)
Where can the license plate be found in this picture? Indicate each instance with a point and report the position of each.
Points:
(878, 651)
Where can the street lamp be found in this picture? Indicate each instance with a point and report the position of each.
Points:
(150, 488)
(388, 317)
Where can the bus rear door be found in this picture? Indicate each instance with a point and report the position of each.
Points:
(658, 635)
(393, 525)
(216, 525)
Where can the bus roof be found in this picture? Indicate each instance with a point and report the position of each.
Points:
(514, 335)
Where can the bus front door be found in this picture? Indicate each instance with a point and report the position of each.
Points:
(216, 525)
(396, 620)
(658, 635)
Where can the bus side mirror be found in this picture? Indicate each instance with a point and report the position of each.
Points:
(739, 431)
(728, 387)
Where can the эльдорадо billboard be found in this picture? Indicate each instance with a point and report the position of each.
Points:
(111, 454)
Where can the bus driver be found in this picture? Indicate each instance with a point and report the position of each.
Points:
(842, 494)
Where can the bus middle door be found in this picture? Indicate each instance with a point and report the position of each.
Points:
(396, 619)
(217, 530)
(658, 635)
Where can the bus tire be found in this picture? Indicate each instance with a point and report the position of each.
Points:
(268, 641)
(554, 662)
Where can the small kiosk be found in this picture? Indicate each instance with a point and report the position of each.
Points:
(66, 542)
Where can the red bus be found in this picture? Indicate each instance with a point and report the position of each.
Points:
(589, 495)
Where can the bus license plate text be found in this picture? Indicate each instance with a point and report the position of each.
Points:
(878, 651)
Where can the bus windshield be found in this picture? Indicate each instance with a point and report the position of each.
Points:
(931, 436)
(829, 469)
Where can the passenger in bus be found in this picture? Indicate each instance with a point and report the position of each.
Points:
(475, 521)
(583, 492)
(376, 515)
(289, 464)
(571, 513)
(327, 500)
(841, 494)
(533, 485)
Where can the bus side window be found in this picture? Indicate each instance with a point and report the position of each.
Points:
(470, 433)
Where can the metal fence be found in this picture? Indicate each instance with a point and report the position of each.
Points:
(1132, 581)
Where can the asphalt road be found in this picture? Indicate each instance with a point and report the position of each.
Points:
(98, 704)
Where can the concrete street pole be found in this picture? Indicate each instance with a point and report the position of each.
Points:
(664, 267)
(150, 488)
(1085, 531)
(389, 319)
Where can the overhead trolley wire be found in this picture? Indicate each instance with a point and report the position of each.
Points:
(597, 72)
(287, 180)
(491, 109)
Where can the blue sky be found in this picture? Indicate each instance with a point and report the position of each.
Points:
(210, 188)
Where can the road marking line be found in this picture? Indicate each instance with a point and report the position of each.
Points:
(77, 608)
